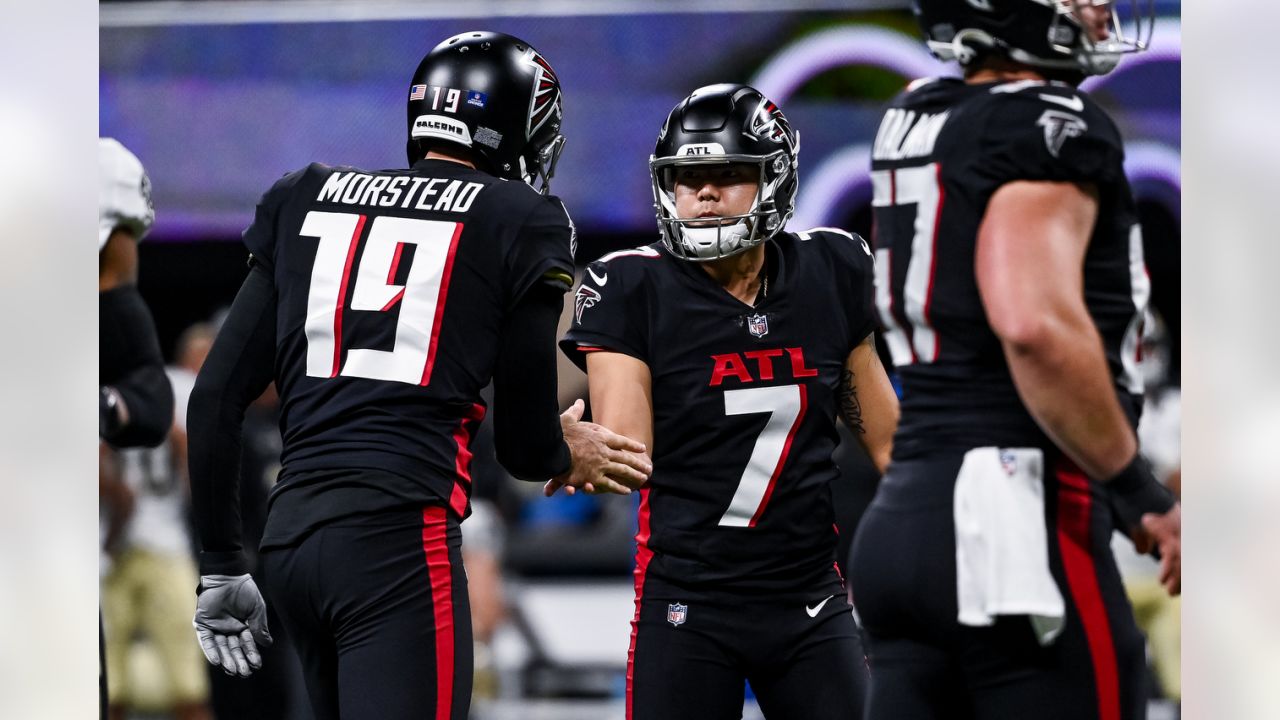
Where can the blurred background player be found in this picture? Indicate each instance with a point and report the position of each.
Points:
(1012, 286)
(1158, 614)
(729, 348)
(135, 402)
(146, 595)
(381, 303)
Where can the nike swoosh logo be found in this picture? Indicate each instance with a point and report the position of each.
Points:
(599, 280)
(813, 611)
(1072, 103)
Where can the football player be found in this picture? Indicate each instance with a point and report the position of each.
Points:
(135, 401)
(147, 590)
(1011, 282)
(729, 348)
(381, 303)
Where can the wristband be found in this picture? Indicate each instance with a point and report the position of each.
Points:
(1136, 492)
(223, 563)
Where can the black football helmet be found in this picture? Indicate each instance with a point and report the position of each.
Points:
(720, 124)
(494, 95)
(1049, 34)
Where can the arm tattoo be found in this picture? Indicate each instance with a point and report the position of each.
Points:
(850, 408)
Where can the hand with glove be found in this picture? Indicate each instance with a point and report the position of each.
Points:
(231, 622)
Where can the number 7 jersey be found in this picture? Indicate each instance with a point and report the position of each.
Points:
(943, 148)
(743, 406)
(392, 291)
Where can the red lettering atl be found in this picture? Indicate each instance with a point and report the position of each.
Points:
(733, 365)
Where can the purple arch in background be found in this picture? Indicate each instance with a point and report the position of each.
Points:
(790, 69)
(1153, 162)
(842, 174)
(846, 172)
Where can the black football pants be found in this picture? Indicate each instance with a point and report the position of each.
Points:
(377, 608)
(927, 666)
(800, 667)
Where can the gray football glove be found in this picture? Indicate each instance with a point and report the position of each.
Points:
(231, 621)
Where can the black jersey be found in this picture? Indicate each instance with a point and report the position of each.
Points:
(392, 288)
(941, 151)
(744, 405)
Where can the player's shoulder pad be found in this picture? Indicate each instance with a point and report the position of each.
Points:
(1053, 129)
(260, 237)
(548, 209)
(516, 199)
(512, 195)
(921, 90)
(845, 247)
(1027, 96)
(625, 260)
(621, 267)
(282, 188)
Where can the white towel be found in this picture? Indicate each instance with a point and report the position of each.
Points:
(1002, 545)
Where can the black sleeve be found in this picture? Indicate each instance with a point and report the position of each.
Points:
(857, 282)
(526, 421)
(260, 236)
(239, 368)
(608, 314)
(542, 251)
(130, 362)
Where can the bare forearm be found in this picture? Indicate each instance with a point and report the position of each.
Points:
(868, 403)
(621, 395)
(1062, 378)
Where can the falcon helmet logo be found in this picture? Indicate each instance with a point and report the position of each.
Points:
(768, 123)
(677, 614)
(585, 299)
(758, 325)
(1058, 126)
(545, 101)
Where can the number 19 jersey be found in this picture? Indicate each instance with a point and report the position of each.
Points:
(744, 407)
(392, 292)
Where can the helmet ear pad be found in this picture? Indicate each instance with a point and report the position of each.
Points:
(718, 124)
(495, 96)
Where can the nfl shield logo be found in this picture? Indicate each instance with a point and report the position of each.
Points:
(676, 613)
(758, 325)
(1009, 462)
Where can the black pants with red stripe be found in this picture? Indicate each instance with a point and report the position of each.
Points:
(377, 608)
(690, 658)
(925, 665)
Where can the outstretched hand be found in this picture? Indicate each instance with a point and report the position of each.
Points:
(1163, 533)
(603, 461)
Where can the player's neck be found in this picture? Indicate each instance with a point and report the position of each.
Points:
(450, 157)
(741, 275)
(1001, 72)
